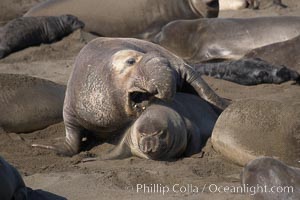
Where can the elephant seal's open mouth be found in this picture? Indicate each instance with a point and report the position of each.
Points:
(139, 100)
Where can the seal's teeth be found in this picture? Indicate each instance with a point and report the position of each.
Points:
(135, 106)
(144, 108)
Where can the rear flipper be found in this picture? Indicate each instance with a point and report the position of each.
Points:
(248, 72)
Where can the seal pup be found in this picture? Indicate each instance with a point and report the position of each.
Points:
(127, 18)
(28, 104)
(115, 79)
(280, 180)
(248, 71)
(29, 31)
(167, 131)
(208, 40)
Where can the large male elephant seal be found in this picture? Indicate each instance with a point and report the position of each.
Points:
(280, 53)
(127, 18)
(115, 79)
(28, 31)
(168, 130)
(271, 179)
(28, 104)
(204, 40)
(251, 128)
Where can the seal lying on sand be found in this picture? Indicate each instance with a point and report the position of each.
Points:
(115, 79)
(247, 71)
(282, 53)
(251, 128)
(280, 180)
(12, 186)
(28, 104)
(204, 40)
(254, 4)
(168, 130)
(29, 31)
(127, 18)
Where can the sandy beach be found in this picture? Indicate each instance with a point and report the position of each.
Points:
(192, 178)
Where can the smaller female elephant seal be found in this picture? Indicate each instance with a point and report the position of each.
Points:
(29, 31)
(12, 185)
(115, 79)
(28, 104)
(168, 130)
(272, 179)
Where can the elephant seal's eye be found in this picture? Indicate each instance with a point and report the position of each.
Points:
(130, 61)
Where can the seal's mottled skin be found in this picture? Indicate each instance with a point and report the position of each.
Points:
(127, 18)
(168, 130)
(274, 175)
(204, 40)
(28, 104)
(29, 31)
(115, 79)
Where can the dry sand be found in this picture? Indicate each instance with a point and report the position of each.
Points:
(70, 178)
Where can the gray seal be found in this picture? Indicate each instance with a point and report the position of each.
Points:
(127, 18)
(29, 31)
(28, 104)
(281, 181)
(115, 79)
(204, 40)
(167, 131)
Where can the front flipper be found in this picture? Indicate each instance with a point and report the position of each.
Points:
(193, 78)
(248, 72)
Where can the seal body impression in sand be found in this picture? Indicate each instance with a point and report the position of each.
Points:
(115, 79)
(127, 18)
(29, 31)
(28, 104)
(283, 181)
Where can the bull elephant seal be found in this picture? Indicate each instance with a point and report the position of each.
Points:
(168, 130)
(251, 128)
(280, 180)
(204, 40)
(12, 185)
(115, 79)
(28, 104)
(280, 53)
(127, 18)
(28, 31)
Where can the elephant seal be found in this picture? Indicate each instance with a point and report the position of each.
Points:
(251, 128)
(254, 4)
(280, 53)
(28, 104)
(127, 18)
(115, 79)
(168, 130)
(248, 71)
(28, 31)
(12, 185)
(272, 179)
(207, 40)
